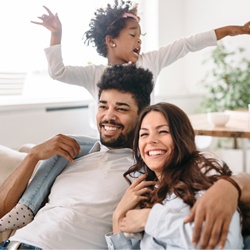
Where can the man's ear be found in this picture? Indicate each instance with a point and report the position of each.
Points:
(109, 41)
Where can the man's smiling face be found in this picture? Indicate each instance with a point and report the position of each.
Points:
(116, 118)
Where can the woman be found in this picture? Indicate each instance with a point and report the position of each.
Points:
(165, 151)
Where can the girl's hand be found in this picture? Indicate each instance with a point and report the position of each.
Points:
(246, 28)
(50, 21)
(232, 30)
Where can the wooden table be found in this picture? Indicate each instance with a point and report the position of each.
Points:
(237, 127)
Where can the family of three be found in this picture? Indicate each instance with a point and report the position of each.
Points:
(168, 175)
(116, 34)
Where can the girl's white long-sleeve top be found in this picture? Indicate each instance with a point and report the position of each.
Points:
(88, 76)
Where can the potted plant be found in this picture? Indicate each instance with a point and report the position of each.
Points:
(227, 83)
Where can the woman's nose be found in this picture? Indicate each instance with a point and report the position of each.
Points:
(152, 139)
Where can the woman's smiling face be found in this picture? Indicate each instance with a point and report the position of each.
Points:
(155, 141)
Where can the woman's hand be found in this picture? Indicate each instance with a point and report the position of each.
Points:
(135, 220)
(133, 195)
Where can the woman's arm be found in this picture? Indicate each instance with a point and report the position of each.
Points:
(133, 195)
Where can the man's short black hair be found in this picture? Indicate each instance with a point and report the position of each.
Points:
(128, 79)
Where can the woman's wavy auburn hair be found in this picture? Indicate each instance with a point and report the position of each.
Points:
(187, 170)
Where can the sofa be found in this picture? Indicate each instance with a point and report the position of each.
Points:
(10, 159)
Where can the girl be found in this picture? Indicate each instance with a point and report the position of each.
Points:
(165, 150)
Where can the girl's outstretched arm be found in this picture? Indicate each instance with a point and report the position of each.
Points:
(232, 31)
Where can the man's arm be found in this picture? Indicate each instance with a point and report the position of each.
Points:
(243, 180)
(13, 187)
(215, 209)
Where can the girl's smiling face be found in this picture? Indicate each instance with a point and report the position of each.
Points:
(155, 141)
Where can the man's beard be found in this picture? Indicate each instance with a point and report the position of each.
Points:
(121, 141)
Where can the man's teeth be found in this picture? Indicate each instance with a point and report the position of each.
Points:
(156, 152)
(110, 128)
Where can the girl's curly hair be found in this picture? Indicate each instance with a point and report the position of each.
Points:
(108, 21)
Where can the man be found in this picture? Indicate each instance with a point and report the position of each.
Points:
(84, 196)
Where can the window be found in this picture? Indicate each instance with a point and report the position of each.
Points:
(22, 46)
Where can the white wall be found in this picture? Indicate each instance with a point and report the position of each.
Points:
(166, 21)
(169, 20)
(23, 123)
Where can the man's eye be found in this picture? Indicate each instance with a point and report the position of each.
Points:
(102, 107)
(122, 109)
(132, 35)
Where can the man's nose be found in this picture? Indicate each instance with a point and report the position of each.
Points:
(110, 115)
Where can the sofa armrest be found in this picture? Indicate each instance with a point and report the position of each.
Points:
(9, 160)
(25, 148)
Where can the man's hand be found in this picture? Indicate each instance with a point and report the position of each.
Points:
(58, 145)
(212, 214)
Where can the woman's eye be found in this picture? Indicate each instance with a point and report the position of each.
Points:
(164, 132)
(144, 134)
(132, 35)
